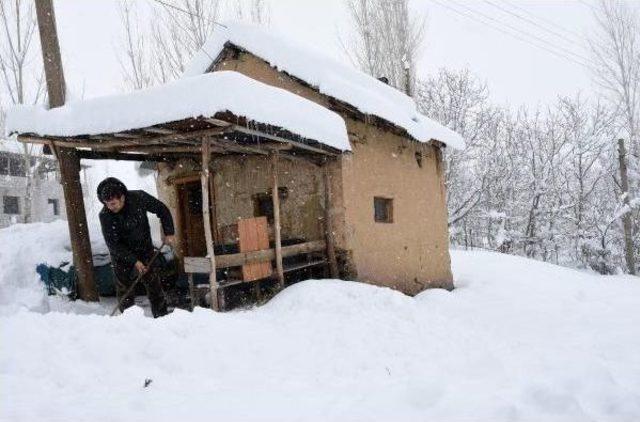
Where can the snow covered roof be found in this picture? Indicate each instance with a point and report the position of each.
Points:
(328, 76)
(15, 147)
(204, 95)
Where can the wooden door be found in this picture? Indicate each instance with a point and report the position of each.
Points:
(192, 223)
(254, 236)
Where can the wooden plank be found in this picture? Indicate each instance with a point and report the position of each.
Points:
(328, 224)
(171, 180)
(304, 265)
(253, 236)
(192, 291)
(195, 264)
(214, 210)
(213, 283)
(262, 240)
(276, 218)
(245, 235)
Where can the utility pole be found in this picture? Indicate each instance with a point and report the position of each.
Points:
(626, 218)
(67, 157)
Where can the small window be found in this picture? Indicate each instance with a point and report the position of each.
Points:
(11, 204)
(54, 205)
(383, 210)
(16, 167)
(4, 165)
(263, 203)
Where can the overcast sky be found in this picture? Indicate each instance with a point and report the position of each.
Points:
(459, 34)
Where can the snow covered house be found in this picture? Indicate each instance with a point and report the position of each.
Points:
(46, 195)
(357, 170)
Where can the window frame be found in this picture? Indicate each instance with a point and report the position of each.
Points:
(4, 205)
(387, 204)
(56, 206)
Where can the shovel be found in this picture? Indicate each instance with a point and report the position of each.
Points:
(137, 280)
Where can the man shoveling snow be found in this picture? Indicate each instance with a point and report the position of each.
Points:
(126, 231)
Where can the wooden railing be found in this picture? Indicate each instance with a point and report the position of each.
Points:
(202, 265)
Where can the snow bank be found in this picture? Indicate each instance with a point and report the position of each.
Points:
(330, 77)
(517, 340)
(204, 95)
(22, 248)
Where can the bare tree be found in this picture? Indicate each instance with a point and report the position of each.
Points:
(386, 40)
(255, 11)
(159, 52)
(135, 64)
(178, 32)
(616, 54)
(22, 77)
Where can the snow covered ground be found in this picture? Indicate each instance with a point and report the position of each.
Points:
(518, 340)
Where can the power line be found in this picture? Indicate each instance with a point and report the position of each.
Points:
(548, 21)
(525, 33)
(173, 6)
(499, 29)
(534, 23)
(590, 6)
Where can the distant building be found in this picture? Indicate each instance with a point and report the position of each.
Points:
(47, 199)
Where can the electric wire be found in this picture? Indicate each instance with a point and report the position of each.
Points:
(502, 30)
(525, 33)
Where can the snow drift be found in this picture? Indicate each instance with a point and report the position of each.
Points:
(517, 340)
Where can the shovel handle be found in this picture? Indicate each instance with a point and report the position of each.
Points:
(130, 289)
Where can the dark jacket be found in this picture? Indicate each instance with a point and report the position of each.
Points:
(127, 232)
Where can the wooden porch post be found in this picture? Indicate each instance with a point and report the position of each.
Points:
(204, 179)
(276, 217)
(77, 222)
(328, 225)
(67, 157)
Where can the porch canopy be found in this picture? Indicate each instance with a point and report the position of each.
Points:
(240, 116)
(215, 113)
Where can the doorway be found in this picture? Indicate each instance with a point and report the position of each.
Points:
(191, 219)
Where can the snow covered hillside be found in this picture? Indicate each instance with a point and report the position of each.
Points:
(518, 340)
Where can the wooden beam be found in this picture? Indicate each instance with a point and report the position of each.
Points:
(105, 141)
(276, 218)
(159, 131)
(205, 175)
(77, 222)
(194, 135)
(119, 156)
(296, 144)
(171, 180)
(50, 48)
(217, 122)
(233, 146)
(161, 149)
(328, 224)
(214, 208)
(79, 143)
(126, 135)
(203, 265)
(67, 158)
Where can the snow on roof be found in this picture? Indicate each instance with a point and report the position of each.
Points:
(15, 147)
(329, 76)
(204, 95)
